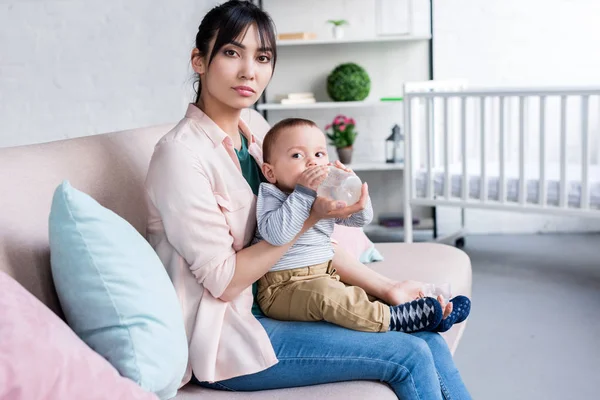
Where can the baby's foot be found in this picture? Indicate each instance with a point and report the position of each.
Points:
(418, 315)
(447, 307)
(460, 312)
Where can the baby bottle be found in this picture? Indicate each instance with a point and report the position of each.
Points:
(341, 186)
(433, 290)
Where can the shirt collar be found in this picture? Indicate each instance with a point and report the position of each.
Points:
(216, 134)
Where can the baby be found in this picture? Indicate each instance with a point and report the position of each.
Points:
(302, 285)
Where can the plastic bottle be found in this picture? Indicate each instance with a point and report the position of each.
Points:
(433, 290)
(341, 186)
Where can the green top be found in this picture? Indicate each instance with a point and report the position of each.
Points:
(254, 177)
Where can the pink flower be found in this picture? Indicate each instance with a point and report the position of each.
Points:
(351, 121)
(338, 120)
(342, 128)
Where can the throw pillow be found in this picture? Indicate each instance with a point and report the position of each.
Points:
(42, 359)
(356, 243)
(115, 292)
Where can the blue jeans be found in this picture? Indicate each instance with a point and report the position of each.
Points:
(416, 366)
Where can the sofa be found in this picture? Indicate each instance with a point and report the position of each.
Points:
(111, 168)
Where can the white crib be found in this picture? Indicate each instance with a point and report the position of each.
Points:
(532, 150)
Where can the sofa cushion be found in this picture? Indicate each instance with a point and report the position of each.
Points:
(356, 243)
(115, 292)
(42, 359)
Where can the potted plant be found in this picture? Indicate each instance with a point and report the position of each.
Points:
(348, 82)
(341, 133)
(338, 27)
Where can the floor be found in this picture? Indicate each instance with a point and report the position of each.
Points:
(534, 330)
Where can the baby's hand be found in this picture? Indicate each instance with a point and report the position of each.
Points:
(324, 208)
(312, 177)
(341, 166)
(403, 292)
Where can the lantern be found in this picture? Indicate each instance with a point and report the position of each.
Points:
(394, 146)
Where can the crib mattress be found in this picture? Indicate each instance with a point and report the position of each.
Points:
(532, 185)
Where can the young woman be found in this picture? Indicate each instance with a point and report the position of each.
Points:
(201, 186)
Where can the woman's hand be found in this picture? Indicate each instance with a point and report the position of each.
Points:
(403, 292)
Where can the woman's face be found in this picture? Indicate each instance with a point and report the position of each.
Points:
(239, 72)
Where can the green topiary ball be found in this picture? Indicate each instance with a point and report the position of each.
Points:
(348, 82)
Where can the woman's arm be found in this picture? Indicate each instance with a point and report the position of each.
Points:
(253, 262)
(197, 228)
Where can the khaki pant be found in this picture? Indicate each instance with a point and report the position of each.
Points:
(315, 293)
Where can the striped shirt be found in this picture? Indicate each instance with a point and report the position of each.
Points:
(281, 217)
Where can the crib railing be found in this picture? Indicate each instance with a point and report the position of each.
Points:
(549, 137)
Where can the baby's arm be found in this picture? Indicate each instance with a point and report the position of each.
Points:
(358, 219)
(280, 219)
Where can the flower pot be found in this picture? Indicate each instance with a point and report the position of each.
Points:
(345, 154)
(338, 32)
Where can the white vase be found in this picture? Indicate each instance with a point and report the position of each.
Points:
(338, 32)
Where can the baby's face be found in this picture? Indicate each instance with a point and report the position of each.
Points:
(295, 150)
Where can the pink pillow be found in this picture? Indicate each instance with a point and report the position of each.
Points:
(41, 358)
(356, 243)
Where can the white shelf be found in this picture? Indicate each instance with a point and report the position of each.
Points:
(426, 224)
(326, 105)
(376, 166)
(309, 42)
(382, 234)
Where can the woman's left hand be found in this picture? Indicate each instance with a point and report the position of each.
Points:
(403, 292)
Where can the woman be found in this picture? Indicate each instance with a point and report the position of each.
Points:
(201, 183)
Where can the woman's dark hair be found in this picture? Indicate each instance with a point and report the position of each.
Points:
(228, 21)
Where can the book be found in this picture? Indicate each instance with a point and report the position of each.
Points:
(301, 95)
(298, 101)
(297, 95)
(297, 36)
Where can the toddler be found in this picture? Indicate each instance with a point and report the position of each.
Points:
(302, 285)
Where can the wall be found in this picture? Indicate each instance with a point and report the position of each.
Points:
(517, 43)
(71, 68)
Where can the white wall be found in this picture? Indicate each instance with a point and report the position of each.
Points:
(516, 43)
(71, 68)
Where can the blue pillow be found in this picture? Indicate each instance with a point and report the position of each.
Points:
(115, 292)
(370, 255)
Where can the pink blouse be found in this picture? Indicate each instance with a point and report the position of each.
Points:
(201, 212)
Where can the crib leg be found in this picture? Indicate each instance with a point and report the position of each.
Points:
(408, 225)
(460, 242)
(435, 228)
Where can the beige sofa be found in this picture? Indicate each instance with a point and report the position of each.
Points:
(111, 168)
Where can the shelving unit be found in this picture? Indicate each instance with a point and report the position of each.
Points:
(423, 229)
(319, 49)
(375, 166)
(326, 104)
(313, 42)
